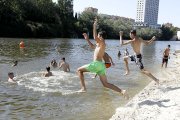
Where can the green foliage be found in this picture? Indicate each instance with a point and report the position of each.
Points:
(36, 18)
(147, 33)
(167, 32)
(43, 18)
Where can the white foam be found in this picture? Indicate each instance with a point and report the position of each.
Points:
(62, 82)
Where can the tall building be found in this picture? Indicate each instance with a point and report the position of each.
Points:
(147, 13)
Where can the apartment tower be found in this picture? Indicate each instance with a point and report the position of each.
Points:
(147, 13)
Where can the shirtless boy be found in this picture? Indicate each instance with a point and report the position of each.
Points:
(48, 74)
(106, 58)
(97, 66)
(166, 56)
(136, 45)
(64, 65)
(11, 76)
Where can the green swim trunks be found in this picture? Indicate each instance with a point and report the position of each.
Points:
(97, 67)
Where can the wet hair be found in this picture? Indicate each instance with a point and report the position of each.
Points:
(133, 32)
(48, 68)
(103, 34)
(63, 59)
(10, 73)
(53, 61)
(169, 46)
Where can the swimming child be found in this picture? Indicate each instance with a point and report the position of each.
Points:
(11, 76)
(48, 73)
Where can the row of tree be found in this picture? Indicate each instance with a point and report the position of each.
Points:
(44, 18)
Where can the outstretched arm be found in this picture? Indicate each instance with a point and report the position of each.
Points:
(121, 41)
(95, 32)
(149, 41)
(89, 42)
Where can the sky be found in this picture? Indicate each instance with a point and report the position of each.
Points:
(168, 9)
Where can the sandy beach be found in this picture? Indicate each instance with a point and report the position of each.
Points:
(156, 102)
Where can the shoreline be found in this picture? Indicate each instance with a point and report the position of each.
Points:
(155, 102)
(66, 38)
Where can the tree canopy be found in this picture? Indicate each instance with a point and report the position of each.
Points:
(44, 18)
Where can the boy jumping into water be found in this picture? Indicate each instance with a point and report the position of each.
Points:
(136, 45)
(166, 56)
(97, 66)
(107, 59)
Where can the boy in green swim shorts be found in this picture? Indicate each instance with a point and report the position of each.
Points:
(97, 66)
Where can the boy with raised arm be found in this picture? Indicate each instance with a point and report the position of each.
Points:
(106, 58)
(97, 66)
(136, 45)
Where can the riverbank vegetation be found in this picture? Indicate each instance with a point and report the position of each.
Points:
(46, 19)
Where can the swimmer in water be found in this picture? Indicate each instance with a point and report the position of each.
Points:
(64, 65)
(11, 76)
(15, 63)
(48, 73)
(53, 63)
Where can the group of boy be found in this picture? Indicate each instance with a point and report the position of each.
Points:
(62, 64)
(99, 67)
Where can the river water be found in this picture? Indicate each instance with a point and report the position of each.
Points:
(37, 97)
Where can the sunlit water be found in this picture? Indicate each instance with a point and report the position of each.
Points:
(56, 97)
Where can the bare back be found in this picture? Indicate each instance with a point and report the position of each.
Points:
(48, 74)
(65, 66)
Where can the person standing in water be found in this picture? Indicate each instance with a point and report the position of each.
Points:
(166, 56)
(53, 63)
(63, 64)
(126, 56)
(119, 54)
(97, 66)
(136, 45)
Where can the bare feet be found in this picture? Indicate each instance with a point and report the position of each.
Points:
(81, 90)
(127, 73)
(157, 82)
(125, 95)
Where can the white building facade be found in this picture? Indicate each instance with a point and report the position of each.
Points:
(178, 35)
(147, 13)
